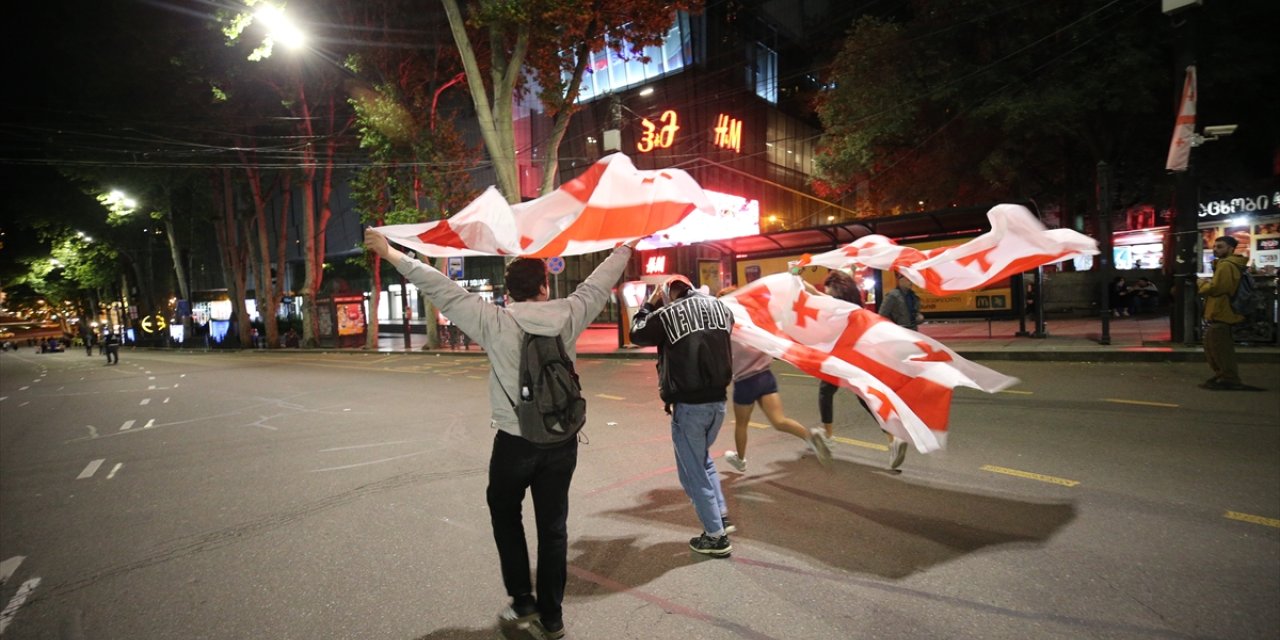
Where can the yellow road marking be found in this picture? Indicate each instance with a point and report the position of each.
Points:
(796, 375)
(758, 425)
(609, 397)
(1017, 392)
(860, 443)
(1140, 402)
(1244, 517)
(1030, 476)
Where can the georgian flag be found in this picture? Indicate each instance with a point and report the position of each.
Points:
(905, 377)
(610, 203)
(1184, 128)
(1016, 243)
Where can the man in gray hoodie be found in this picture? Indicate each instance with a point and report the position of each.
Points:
(516, 464)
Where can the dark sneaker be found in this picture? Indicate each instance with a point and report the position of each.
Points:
(518, 616)
(897, 453)
(715, 547)
(549, 630)
(728, 525)
(1213, 385)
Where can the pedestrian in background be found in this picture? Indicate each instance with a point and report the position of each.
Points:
(111, 342)
(902, 306)
(1118, 297)
(754, 383)
(515, 464)
(695, 367)
(1219, 317)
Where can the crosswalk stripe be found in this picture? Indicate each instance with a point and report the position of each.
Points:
(128, 424)
(91, 469)
(11, 609)
(8, 567)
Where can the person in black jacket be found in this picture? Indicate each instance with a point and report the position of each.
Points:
(695, 367)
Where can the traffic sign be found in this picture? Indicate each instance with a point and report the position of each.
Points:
(555, 265)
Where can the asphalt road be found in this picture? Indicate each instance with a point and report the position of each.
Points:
(309, 495)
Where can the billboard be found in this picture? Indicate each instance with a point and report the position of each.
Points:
(735, 217)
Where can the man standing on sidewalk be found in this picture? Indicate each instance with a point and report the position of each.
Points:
(695, 367)
(1219, 317)
(516, 464)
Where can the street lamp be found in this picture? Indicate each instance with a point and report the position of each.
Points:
(118, 203)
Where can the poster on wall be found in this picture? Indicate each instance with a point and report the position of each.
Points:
(350, 316)
(1267, 257)
(709, 275)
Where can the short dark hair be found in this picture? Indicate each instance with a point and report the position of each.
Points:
(525, 278)
(1231, 242)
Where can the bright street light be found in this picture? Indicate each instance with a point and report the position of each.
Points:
(280, 28)
(118, 203)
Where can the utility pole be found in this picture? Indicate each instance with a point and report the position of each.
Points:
(1186, 258)
(1105, 256)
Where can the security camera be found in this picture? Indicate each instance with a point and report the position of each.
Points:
(1221, 130)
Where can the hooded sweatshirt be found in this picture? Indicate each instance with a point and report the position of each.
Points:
(1217, 292)
(501, 330)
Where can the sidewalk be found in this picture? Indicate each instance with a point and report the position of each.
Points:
(1138, 339)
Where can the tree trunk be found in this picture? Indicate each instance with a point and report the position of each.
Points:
(496, 127)
(551, 160)
(264, 290)
(282, 246)
(228, 236)
(371, 334)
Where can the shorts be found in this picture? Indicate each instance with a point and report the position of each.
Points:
(754, 387)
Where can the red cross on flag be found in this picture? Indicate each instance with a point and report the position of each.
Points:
(1016, 243)
(905, 377)
(610, 203)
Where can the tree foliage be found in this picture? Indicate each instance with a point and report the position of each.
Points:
(980, 100)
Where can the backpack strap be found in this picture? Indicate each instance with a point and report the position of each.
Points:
(524, 338)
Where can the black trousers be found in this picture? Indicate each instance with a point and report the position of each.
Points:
(113, 355)
(515, 465)
(826, 401)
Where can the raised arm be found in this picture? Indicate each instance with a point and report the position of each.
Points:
(471, 313)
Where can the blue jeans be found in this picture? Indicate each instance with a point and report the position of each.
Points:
(693, 428)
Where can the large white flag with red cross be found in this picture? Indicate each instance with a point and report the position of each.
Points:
(905, 377)
(1017, 242)
(610, 203)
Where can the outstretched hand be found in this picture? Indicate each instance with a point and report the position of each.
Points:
(376, 242)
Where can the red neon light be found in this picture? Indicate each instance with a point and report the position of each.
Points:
(656, 264)
(655, 138)
(728, 133)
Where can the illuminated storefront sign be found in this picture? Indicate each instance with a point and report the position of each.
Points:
(656, 264)
(658, 138)
(728, 133)
(1235, 206)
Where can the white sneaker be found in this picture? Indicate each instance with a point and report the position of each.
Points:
(897, 453)
(819, 445)
(734, 461)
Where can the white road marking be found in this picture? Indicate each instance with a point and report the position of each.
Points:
(11, 609)
(93, 431)
(3, 398)
(145, 401)
(36, 380)
(363, 464)
(144, 371)
(151, 377)
(183, 375)
(366, 446)
(91, 469)
(23, 388)
(150, 423)
(175, 385)
(25, 403)
(128, 424)
(114, 470)
(166, 401)
(8, 567)
(151, 388)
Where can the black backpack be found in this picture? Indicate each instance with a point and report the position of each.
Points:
(1246, 296)
(550, 409)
